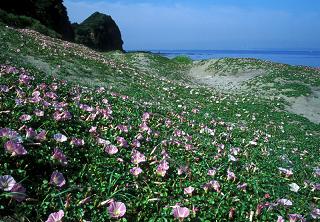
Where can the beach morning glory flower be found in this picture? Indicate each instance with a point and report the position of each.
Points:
(77, 142)
(315, 214)
(280, 219)
(6, 182)
(59, 156)
(294, 187)
(145, 116)
(38, 112)
(60, 137)
(30, 133)
(180, 212)
(19, 192)
(212, 172)
(231, 175)
(62, 115)
(41, 136)
(295, 217)
(164, 164)
(111, 149)
(137, 157)
(122, 142)
(215, 185)
(188, 190)
(16, 149)
(56, 216)
(25, 117)
(135, 171)
(122, 128)
(161, 171)
(286, 172)
(285, 202)
(242, 186)
(117, 209)
(57, 179)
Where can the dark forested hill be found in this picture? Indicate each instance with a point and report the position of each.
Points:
(50, 13)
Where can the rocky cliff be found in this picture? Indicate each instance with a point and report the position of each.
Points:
(100, 32)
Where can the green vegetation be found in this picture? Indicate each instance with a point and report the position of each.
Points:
(26, 22)
(182, 59)
(240, 152)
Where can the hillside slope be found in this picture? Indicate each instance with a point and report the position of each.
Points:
(80, 128)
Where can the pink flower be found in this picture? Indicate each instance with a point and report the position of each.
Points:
(86, 108)
(136, 143)
(111, 149)
(25, 79)
(93, 129)
(6, 182)
(137, 157)
(144, 127)
(212, 172)
(25, 118)
(162, 168)
(231, 175)
(122, 128)
(259, 209)
(164, 164)
(188, 190)
(57, 179)
(19, 192)
(41, 136)
(8, 133)
(51, 95)
(4, 88)
(30, 133)
(183, 169)
(122, 142)
(60, 137)
(180, 212)
(242, 186)
(61, 115)
(315, 214)
(135, 171)
(117, 209)
(145, 116)
(59, 156)
(56, 217)
(77, 142)
(215, 185)
(38, 112)
(286, 172)
(295, 217)
(285, 202)
(16, 149)
(280, 219)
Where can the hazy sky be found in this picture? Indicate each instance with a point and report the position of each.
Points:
(209, 24)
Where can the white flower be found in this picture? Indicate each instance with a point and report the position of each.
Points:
(60, 137)
(294, 187)
(285, 202)
(6, 182)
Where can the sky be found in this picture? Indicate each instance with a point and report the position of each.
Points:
(209, 24)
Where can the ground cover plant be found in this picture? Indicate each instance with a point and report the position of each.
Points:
(90, 136)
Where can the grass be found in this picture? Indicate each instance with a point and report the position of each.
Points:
(190, 126)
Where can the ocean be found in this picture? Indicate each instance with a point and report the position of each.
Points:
(305, 58)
